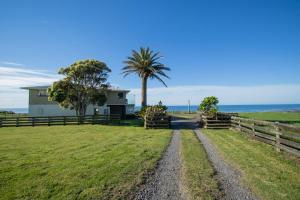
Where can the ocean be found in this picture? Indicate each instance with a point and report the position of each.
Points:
(240, 108)
(222, 108)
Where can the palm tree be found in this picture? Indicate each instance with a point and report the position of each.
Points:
(146, 65)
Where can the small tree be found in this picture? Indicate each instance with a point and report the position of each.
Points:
(85, 83)
(209, 105)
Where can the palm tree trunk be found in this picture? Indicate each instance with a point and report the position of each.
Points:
(144, 92)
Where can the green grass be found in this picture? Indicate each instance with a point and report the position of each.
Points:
(132, 122)
(285, 117)
(13, 115)
(271, 175)
(76, 162)
(197, 170)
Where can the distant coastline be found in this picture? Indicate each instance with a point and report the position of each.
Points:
(241, 108)
(222, 108)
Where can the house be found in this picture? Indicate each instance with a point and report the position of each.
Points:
(39, 105)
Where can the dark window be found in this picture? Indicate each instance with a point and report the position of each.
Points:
(42, 93)
(120, 95)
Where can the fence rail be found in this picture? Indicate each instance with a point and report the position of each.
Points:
(58, 120)
(219, 121)
(282, 136)
(157, 121)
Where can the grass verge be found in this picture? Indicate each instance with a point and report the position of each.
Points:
(271, 175)
(76, 162)
(198, 174)
(284, 117)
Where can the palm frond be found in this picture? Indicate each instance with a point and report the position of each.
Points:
(145, 63)
(159, 79)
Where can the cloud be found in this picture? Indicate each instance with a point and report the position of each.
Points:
(261, 94)
(11, 63)
(12, 78)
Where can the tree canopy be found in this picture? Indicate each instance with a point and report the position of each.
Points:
(145, 64)
(84, 83)
(209, 105)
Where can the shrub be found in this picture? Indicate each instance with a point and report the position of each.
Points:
(209, 105)
(162, 106)
(143, 112)
(155, 110)
(159, 107)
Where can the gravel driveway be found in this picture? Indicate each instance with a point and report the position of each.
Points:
(226, 174)
(165, 183)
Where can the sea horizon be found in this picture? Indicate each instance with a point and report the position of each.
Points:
(222, 108)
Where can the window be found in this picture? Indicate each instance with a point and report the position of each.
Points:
(42, 93)
(105, 111)
(121, 95)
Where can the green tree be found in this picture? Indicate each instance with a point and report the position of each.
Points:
(84, 83)
(146, 65)
(209, 105)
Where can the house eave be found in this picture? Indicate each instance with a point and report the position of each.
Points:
(46, 87)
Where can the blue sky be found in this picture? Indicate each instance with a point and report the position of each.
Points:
(235, 44)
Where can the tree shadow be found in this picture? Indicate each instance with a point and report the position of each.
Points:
(132, 123)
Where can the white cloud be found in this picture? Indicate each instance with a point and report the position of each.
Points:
(263, 94)
(12, 78)
(11, 63)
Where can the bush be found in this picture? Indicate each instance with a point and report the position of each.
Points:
(155, 110)
(158, 107)
(143, 112)
(209, 106)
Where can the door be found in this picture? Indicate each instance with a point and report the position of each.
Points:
(118, 109)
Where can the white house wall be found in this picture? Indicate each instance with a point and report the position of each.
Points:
(56, 110)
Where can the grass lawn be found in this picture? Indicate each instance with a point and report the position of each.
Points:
(286, 117)
(13, 115)
(76, 162)
(197, 170)
(271, 175)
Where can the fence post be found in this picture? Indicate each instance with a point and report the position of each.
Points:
(78, 119)
(108, 118)
(239, 123)
(204, 121)
(145, 122)
(0, 122)
(17, 121)
(277, 144)
(64, 120)
(253, 128)
(32, 121)
(48, 121)
(93, 119)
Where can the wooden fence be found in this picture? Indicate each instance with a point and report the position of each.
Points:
(58, 120)
(219, 121)
(282, 136)
(157, 120)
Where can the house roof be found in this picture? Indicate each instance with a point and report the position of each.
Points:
(47, 86)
